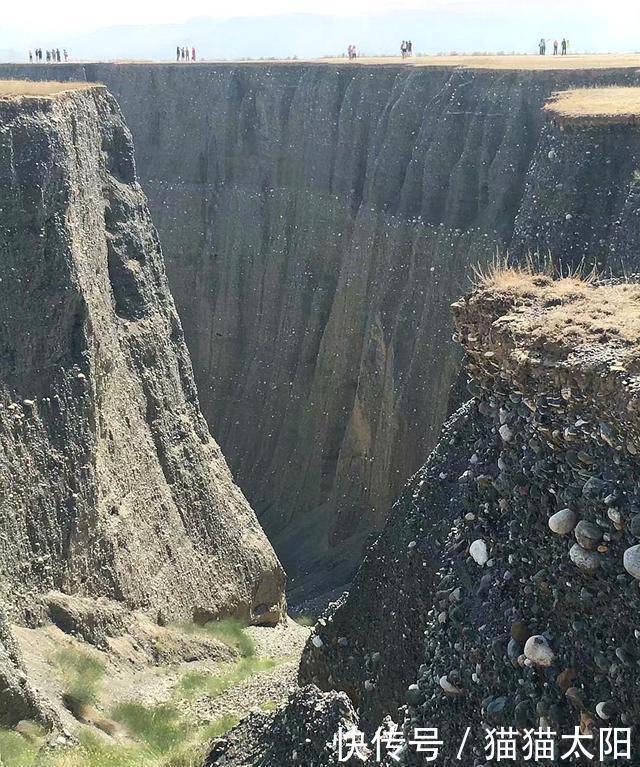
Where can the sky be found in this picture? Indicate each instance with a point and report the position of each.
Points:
(86, 15)
(611, 26)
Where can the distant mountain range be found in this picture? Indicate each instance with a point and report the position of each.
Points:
(310, 36)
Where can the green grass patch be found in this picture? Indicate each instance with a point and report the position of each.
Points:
(218, 727)
(201, 682)
(16, 750)
(305, 620)
(232, 632)
(82, 674)
(159, 727)
(165, 739)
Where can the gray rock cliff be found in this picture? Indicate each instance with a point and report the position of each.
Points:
(111, 482)
(317, 220)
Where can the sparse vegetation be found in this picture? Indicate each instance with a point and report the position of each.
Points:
(230, 631)
(165, 739)
(16, 750)
(305, 620)
(595, 106)
(220, 726)
(501, 274)
(160, 727)
(81, 674)
(13, 88)
(200, 682)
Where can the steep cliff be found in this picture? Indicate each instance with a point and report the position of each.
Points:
(317, 221)
(111, 483)
(529, 592)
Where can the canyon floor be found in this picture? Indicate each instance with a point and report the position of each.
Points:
(117, 706)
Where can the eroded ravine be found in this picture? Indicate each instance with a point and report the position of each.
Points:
(317, 221)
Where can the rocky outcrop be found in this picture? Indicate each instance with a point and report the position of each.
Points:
(317, 221)
(581, 199)
(301, 733)
(113, 486)
(528, 609)
(373, 653)
(18, 700)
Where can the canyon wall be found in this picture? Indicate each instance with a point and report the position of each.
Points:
(504, 589)
(111, 483)
(317, 221)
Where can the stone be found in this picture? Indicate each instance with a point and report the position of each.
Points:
(505, 432)
(585, 560)
(562, 522)
(631, 561)
(448, 687)
(605, 709)
(478, 552)
(317, 641)
(634, 526)
(514, 651)
(414, 695)
(497, 708)
(538, 651)
(588, 535)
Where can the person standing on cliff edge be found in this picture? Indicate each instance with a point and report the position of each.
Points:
(30, 57)
(543, 46)
(193, 53)
(564, 47)
(555, 47)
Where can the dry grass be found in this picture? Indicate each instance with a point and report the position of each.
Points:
(529, 62)
(595, 106)
(31, 88)
(523, 62)
(574, 313)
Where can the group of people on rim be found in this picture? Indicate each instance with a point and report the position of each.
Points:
(48, 55)
(406, 49)
(351, 52)
(182, 54)
(562, 47)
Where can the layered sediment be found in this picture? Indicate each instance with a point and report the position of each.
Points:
(112, 484)
(317, 220)
(529, 592)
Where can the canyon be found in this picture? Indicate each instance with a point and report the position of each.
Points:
(113, 489)
(317, 220)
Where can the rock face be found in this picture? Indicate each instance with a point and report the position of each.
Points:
(582, 196)
(533, 638)
(112, 484)
(317, 221)
(17, 699)
(301, 733)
